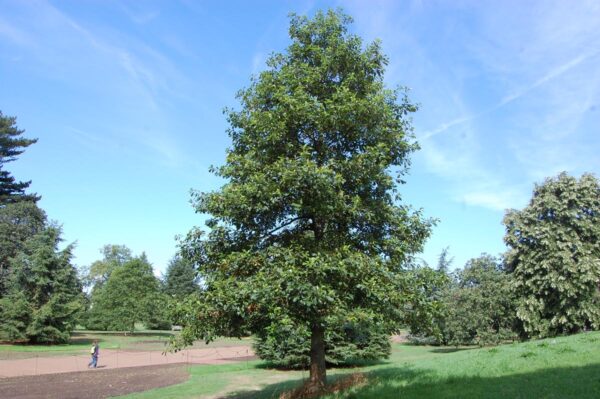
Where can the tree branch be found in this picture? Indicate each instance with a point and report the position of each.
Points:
(281, 227)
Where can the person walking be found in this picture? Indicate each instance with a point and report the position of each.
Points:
(94, 351)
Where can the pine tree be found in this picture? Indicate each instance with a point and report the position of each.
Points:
(44, 293)
(18, 222)
(11, 146)
(180, 278)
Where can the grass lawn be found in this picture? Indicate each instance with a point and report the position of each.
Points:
(81, 341)
(213, 381)
(565, 367)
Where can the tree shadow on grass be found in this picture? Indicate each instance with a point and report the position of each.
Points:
(270, 391)
(408, 382)
(82, 341)
(72, 341)
(557, 382)
(453, 349)
(351, 365)
(273, 391)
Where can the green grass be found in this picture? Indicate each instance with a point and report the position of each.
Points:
(207, 381)
(565, 367)
(82, 340)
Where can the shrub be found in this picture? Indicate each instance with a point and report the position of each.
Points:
(287, 345)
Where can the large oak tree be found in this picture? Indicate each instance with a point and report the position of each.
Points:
(309, 226)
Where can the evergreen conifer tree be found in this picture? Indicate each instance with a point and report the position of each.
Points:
(180, 278)
(12, 144)
(44, 293)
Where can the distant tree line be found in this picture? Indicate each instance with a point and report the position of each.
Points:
(546, 284)
(42, 295)
(124, 291)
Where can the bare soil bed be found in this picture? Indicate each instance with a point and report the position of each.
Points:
(93, 384)
(112, 359)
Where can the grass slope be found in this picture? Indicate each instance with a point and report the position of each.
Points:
(565, 367)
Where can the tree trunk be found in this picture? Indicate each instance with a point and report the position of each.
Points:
(318, 376)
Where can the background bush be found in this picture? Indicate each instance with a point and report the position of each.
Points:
(287, 345)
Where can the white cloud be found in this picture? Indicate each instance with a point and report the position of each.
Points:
(109, 64)
(554, 73)
(138, 15)
(496, 200)
(550, 75)
(12, 33)
(514, 107)
(258, 62)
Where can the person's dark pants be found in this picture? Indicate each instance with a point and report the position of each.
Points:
(94, 361)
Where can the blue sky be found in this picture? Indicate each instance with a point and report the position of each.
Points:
(126, 99)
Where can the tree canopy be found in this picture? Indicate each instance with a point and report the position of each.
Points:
(130, 295)
(12, 144)
(309, 225)
(480, 304)
(555, 256)
(113, 257)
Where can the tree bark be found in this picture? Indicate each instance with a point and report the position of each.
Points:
(318, 376)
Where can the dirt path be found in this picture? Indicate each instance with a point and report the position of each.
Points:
(113, 359)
